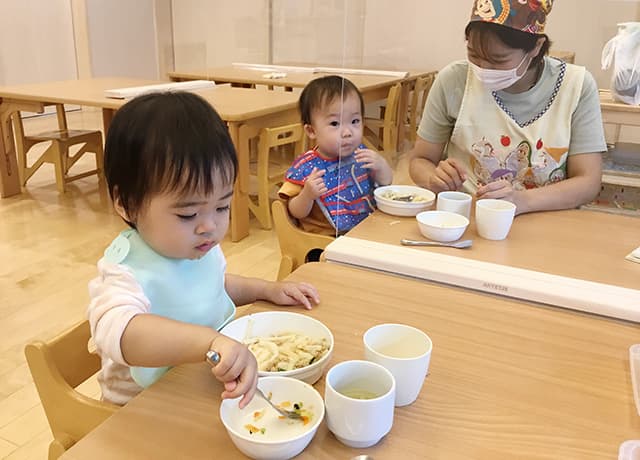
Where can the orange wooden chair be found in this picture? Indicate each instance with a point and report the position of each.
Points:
(58, 367)
(58, 153)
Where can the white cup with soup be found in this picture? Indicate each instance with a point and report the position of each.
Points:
(359, 402)
(405, 351)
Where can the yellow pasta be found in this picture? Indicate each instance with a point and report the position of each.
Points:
(287, 351)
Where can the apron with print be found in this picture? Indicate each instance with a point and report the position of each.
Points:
(529, 154)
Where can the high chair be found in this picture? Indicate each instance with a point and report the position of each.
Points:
(294, 242)
(58, 367)
(388, 127)
(418, 100)
(58, 153)
(276, 149)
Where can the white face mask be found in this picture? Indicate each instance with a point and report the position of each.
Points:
(495, 80)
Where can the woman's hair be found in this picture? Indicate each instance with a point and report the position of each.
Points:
(322, 91)
(166, 142)
(480, 32)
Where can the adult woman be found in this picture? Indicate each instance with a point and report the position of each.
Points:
(511, 122)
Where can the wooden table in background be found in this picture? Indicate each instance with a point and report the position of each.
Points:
(507, 379)
(373, 87)
(579, 244)
(245, 112)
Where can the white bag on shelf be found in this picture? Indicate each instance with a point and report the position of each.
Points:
(623, 51)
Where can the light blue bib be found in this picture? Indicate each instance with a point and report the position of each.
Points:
(185, 290)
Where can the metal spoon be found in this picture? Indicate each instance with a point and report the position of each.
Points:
(213, 358)
(456, 244)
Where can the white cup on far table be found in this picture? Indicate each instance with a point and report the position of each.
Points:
(494, 218)
(358, 399)
(405, 351)
(458, 202)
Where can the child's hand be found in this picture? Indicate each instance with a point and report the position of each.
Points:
(314, 185)
(237, 369)
(379, 167)
(288, 293)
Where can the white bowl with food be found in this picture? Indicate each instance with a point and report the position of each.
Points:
(260, 432)
(403, 200)
(284, 343)
(442, 226)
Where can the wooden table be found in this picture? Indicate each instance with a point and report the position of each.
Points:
(580, 244)
(507, 380)
(618, 113)
(245, 112)
(372, 87)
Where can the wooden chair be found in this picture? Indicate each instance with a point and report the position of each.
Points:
(277, 147)
(294, 242)
(416, 104)
(382, 134)
(57, 368)
(58, 153)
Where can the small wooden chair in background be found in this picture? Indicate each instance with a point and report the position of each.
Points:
(277, 147)
(58, 153)
(295, 243)
(416, 104)
(382, 134)
(58, 367)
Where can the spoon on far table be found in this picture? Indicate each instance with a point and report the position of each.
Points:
(456, 244)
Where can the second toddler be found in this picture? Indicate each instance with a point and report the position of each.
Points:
(329, 189)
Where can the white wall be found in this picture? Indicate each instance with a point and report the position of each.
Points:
(123, 38)
(215, 33)
(36, 41)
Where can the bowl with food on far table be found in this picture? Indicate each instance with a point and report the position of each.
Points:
(403, 200)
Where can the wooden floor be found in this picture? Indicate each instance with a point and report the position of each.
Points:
(49, 246)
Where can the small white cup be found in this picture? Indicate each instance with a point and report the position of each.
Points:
(494, 218)
(405, 351)
(458, 202)
(358, 399)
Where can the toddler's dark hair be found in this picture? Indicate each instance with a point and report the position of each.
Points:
(324, 90)
(166, 142)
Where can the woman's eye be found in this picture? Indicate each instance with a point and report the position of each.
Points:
(224, 208)
(187, 216)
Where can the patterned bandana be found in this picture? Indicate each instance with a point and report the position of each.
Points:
(525, 15)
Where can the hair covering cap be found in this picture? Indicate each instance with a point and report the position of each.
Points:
(524, 15)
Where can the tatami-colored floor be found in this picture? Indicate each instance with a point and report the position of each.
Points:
(49, 245)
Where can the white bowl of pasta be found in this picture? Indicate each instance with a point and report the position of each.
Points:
(261, 433)
(284, 343)
(403, 200)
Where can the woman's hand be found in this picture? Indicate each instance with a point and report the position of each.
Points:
(288, 293)
(501, 190)
(237, 369)
(380, 169)
(447, 176)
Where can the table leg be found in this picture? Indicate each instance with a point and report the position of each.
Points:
(9, 178)
(107, 116)
(240, 202)
(9, 182)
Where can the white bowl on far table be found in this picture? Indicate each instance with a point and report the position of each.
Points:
(281, 438)
(421, 199)
(272, 323)
(442, 226)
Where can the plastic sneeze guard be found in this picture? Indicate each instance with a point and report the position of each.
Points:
(576, 294)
